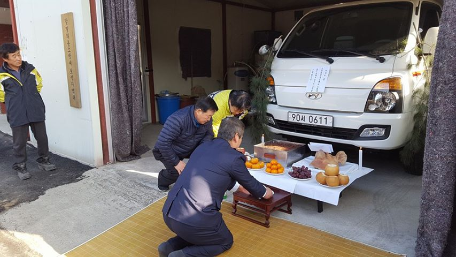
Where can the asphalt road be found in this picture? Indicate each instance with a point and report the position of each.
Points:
(14, 191)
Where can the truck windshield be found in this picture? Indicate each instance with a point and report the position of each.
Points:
(370, 29)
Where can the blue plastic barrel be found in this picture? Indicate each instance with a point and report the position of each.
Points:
(167, 105)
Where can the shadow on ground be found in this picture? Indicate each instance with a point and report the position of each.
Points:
(14, 191)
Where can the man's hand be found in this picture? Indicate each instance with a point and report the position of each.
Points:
(269, 193)
(180, 167)
(243, 190)
(240, 149)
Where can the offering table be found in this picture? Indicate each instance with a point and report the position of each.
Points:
(280, 199)
(311, 188)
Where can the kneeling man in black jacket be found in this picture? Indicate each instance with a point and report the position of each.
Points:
(183, 131)
(192, 207)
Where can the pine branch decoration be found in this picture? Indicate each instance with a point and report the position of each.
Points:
(415, 145)
(258, 85)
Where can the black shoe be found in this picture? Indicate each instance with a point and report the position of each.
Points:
(21, 171)
(44, 164)
(163, 188)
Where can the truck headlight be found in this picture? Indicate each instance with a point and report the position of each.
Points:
(386, 96)
(270, 91)
(270, 120)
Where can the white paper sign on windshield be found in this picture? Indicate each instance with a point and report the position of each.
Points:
(317, 79)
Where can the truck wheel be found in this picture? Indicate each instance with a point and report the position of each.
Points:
(416, 165)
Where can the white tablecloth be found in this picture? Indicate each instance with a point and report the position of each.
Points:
(311, 188)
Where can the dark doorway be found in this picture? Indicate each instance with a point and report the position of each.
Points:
(6, 33)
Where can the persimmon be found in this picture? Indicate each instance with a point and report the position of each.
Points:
(248, 165)
(268, 170)
(273, 161)
(261, 164)
(274, 167)
(268, 165)
(255, 166)
(280, 170)
(254, 160)
(274, 171)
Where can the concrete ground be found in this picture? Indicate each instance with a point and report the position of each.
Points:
(380, 209)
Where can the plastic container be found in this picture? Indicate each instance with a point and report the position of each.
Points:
(286, 153)
(167, 105)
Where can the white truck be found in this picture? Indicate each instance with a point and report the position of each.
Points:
(346, 73)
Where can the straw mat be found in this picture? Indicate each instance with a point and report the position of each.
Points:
(141, 234)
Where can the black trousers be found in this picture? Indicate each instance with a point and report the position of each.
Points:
(168, 175)
(20, 136)
(198, 241)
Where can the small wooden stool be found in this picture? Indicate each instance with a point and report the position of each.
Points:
(278, 200)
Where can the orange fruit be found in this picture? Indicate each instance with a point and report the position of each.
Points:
(254, 160)
(279, 165)
(274, 171)
(268, 165)
(255, 166)
(280, 170)
(273, 161)
(274, 167)
(248, 165)
(268, 170)
(261, 164)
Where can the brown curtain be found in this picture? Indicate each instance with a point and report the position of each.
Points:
(124, 78)
(437, 224)
(195, 52)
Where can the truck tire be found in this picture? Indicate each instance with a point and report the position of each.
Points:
(416, 165)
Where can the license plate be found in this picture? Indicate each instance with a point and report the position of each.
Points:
(310, 119)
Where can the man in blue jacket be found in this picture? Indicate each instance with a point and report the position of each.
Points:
(192, 207)
(20, 90)
(182, 132)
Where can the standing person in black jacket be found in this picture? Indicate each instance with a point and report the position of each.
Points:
(183, 131)
(22, 85)
(192, 209)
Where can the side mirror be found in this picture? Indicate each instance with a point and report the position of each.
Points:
(275, 46)
(430, 41)
(264, 50)
(277, 43)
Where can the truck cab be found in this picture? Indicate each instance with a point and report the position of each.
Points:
(346, 73)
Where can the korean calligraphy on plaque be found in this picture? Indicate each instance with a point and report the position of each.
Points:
(71, 60)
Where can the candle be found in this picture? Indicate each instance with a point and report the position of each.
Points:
(262, 138)
(360, 161)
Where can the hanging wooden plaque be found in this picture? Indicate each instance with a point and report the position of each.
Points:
(71, 59)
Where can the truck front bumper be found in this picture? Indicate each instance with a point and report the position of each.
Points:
(347, 127)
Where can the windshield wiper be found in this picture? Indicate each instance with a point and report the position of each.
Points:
(328, 59)
(381, 59)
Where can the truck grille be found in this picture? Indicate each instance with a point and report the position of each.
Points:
(340, 133)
